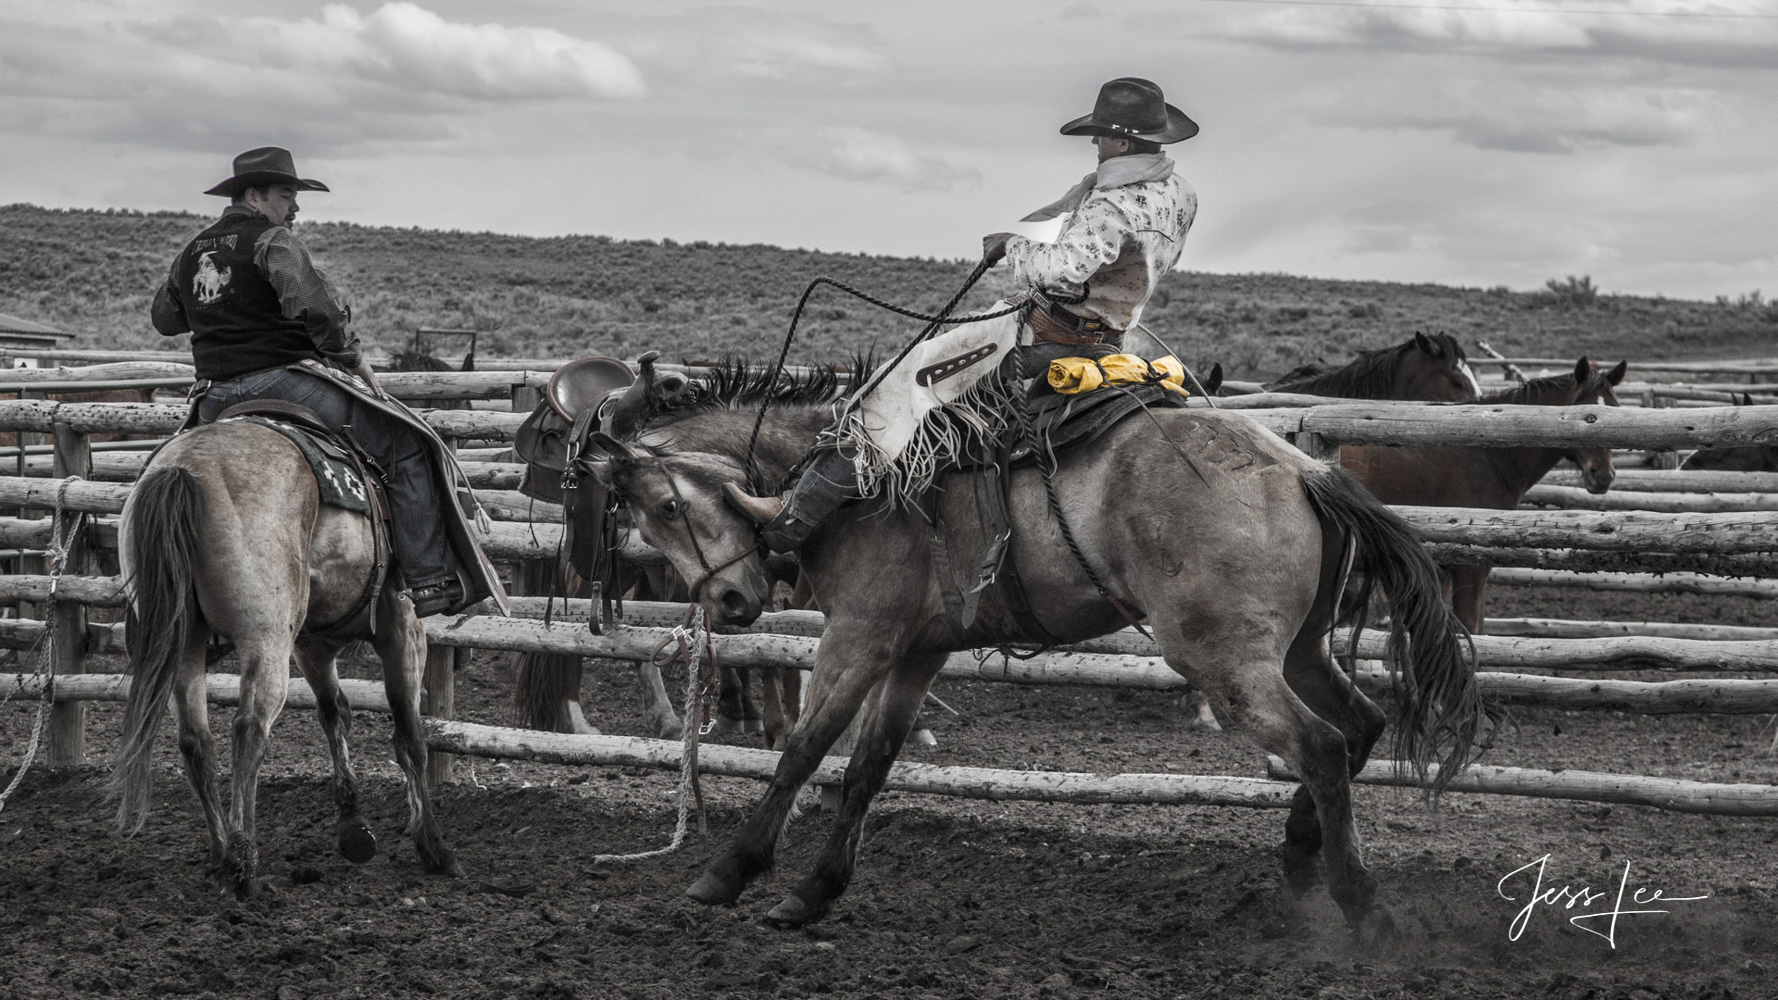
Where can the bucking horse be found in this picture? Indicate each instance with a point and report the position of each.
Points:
(1234, 547)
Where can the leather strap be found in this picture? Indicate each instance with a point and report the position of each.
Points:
(1053, 324)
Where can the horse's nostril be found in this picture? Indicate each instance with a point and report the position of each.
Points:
(733, 604)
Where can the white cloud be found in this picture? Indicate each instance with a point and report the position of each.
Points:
(1542, 30)
(400, 73)
(1544, 119)
(405, 44)
(862, 155)
(755, 45)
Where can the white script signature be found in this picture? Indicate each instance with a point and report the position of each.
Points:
(1585, 897)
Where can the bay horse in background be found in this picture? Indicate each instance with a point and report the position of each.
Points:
(1265, 534)
(1490, 478)
(1426, 367)
(1743, 458)
(224, 535)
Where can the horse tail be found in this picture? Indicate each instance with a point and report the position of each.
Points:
(164, 515)
(1440, 708)
(541, 692)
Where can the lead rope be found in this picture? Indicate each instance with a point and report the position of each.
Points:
(45, 673)
(686, 638)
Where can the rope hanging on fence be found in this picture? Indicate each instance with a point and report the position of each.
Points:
(691, 643)
(46, 658)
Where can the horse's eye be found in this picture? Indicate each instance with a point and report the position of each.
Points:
(670, 509)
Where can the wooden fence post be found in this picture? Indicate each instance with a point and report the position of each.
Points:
(67, 720)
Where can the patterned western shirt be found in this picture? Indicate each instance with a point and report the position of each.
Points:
(1117, 245)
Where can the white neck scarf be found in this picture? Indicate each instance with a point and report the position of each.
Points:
(1118, 171)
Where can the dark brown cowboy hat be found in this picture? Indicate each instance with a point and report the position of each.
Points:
(1132, 108)
(263, 166)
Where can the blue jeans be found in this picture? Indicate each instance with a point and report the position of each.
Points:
(416, 525)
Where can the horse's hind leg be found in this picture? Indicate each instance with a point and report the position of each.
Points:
(265, 680)
(1310, 671)
(356, 843)
(401, 642)
(191, 703)
(1250, 684)
(1327, 691)
(893, 708)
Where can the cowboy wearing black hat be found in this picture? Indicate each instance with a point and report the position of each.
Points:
(264, 320)
(1123, 228)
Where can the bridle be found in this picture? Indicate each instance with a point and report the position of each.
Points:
(709, 571)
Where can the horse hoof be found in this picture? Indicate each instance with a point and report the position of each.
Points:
(923, 737)
(1375, 929)
(357, 844)
(1207, 725)
(792, 912)
(713, 890)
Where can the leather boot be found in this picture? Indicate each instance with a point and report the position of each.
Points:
(829, 481)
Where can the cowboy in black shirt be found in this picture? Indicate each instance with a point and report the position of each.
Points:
(255, 305)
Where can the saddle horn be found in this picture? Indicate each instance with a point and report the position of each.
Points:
(627, 412)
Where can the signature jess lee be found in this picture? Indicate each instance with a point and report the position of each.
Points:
(1585, 897)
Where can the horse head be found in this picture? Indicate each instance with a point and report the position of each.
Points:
(684, 504)
(1434, 368)
(1588, 386)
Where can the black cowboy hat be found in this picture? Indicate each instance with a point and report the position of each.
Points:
(263, 166)
(1132, 108)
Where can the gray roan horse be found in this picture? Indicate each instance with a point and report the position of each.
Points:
(1238, 572)
(224, 535)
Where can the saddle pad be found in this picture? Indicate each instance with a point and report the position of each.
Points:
(339, 483)
(1063, 422)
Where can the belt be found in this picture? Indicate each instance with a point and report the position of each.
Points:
(1053, 324)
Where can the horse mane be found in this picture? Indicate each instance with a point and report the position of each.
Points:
(1368, 376)
(733, 383)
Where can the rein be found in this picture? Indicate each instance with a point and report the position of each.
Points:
(933, 321)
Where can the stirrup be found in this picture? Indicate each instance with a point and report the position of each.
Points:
(436, 599)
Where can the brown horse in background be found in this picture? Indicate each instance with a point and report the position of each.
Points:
(1490, 478)
(1431, 368)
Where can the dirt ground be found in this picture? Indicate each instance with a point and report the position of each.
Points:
(953, 898)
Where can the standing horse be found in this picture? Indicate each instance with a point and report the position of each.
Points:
(1429, 368)
(1491, 478)
(224, 534)
(1238, 568)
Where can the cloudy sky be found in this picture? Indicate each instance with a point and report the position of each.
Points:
(1474, 142)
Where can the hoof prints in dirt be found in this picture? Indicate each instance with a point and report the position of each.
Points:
(951, 898)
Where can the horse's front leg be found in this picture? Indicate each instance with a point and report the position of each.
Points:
(890, 717)
(847, 665)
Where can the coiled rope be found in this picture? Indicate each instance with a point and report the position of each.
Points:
(691, 642)
(45, 674)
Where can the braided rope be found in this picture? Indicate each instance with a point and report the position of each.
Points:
(46, 658)
(686, 636)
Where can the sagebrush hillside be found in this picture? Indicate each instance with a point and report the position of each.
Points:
(94, 273)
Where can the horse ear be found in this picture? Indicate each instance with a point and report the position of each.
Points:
(1213, 384)
(622, 453)
(759, 510)
(1747, 399)
(601, 469)
(1618, 372)
(1583, 370)
(1427, 344)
